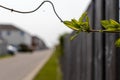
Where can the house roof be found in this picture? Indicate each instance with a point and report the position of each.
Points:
(8, 27)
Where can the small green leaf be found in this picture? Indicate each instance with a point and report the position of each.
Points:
(75, 23)
(71, 25)
(117, 43)
(82, 17)
(111, 29)
(105, 23)
(85, 26)
(110, 26)
(81, 25)
(87, 19)
(75, 35)
(118, 29)
(116, 24)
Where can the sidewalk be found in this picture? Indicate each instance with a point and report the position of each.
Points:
(23, 66)
(31, 75)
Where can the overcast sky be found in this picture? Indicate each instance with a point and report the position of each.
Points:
(43, 22)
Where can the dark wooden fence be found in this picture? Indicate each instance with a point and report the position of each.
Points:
(93, 56)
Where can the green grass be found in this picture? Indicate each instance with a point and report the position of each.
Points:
(5, 56)
(51, 70)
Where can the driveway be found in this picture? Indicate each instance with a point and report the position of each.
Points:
(23, 66)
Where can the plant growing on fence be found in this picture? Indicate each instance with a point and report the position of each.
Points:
(81, 25)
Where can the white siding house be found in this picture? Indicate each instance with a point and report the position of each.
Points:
(38, 44)
(14, 35)
(3, 46)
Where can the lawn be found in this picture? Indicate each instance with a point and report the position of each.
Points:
(51, 70)
(4, 56)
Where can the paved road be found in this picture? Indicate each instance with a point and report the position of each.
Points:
(23, 66)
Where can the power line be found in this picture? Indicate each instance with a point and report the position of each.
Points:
(26, 12)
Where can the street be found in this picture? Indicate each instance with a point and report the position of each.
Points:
(23, 66)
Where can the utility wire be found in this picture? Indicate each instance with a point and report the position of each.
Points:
(26, 12)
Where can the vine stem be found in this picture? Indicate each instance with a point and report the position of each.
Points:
(104, 31)
(47, 1)
(26, 12)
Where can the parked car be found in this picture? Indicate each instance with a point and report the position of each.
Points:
(24, 48)
(11, 50)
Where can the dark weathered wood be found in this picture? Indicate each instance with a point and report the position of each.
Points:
(93, 56)
(110, 39)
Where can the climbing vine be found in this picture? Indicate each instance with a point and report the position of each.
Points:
(81, 25)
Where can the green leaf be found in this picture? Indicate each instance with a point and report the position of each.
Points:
(117, 43)
(87, 19)
(82, 17)
(75, 23)
(111, 29)
(110, 26)
(71, 25)
(85, 26)
(105, 23)
(75, 35)
(88, 23)
(116, 24)
(118, 29)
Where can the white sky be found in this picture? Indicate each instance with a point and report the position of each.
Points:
(42, 23)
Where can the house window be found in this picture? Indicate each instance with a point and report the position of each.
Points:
(8, 33)
(22, 33)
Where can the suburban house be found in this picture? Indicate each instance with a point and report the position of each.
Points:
(38, 44)
(19, 38)
(15, 36)
(3, 46)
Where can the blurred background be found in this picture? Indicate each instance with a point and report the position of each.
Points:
(43, 23)
(41, 44)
